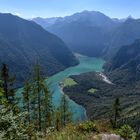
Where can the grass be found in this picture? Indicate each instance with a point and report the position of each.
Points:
(84, 131)
(69, 82)
(92, 90)
(70, 133)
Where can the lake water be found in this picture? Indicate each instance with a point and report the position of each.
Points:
(87, 64)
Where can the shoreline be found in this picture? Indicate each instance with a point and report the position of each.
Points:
(83, 67)
(61, 84)
(103, 77)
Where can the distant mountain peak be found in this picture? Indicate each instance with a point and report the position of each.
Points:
(87, 31)
(89, 13)
(130, 17)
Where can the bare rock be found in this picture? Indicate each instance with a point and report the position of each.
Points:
(108, 137)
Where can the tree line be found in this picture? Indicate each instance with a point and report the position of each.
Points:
(30, 113)
(33, 108)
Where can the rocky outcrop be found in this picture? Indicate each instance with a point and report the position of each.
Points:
(108, 137)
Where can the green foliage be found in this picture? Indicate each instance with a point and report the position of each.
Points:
(69, 82)
(70, 132)
(36, 105)
(92, 90)
(37, 101)
(7, 83)
(64, 109)
(1, 92)
(103, 126)
(38, 90)
(88, 126)
(116, 112)
(48, 109)
(26, 99)
(12, 125)
(127, 132)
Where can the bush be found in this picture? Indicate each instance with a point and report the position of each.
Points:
(88, 126)
(11, 126)
(70, 132)
(127, 132)
(103, 126)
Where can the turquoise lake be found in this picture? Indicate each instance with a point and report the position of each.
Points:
(87, 64)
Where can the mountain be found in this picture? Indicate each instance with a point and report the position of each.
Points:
(124, 68)
(23, 43)
(128, 74)
(86, 32)
(93, 33)
(124, 55)
(125, 34)
(98, 95)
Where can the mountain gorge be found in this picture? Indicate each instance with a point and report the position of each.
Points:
(98, 95)
(93, 33)
(117, 41)
(86, 32)
(24, 43)
(69, 69)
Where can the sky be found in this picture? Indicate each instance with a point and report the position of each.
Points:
(56, 8)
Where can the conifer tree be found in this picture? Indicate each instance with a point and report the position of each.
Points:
(66, 114)
(43, 100)
(48, 106)
(57, 119)
(116, 111)
(1, 95)
(37, 89)
(7, 84)
(26, 99)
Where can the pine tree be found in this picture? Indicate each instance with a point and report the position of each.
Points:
(48, 106)
(37, 89)
(7, 84)
(116, 111)
(1, 95)
(43, 100)
(26, 99)
(66, 114)
(5, 76)
(57, 119)
(34, 105)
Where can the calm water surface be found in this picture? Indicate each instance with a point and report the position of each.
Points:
(87, 64)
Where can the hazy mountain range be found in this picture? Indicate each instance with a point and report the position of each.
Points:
(93, 33)
(24, 43)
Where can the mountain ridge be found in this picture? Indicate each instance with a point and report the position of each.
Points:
(95, 34)
(23, 43)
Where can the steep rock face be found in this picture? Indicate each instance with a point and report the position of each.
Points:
(108, 137)
(124, 55)
(23, 43)
(127, 74)
(124, 68)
